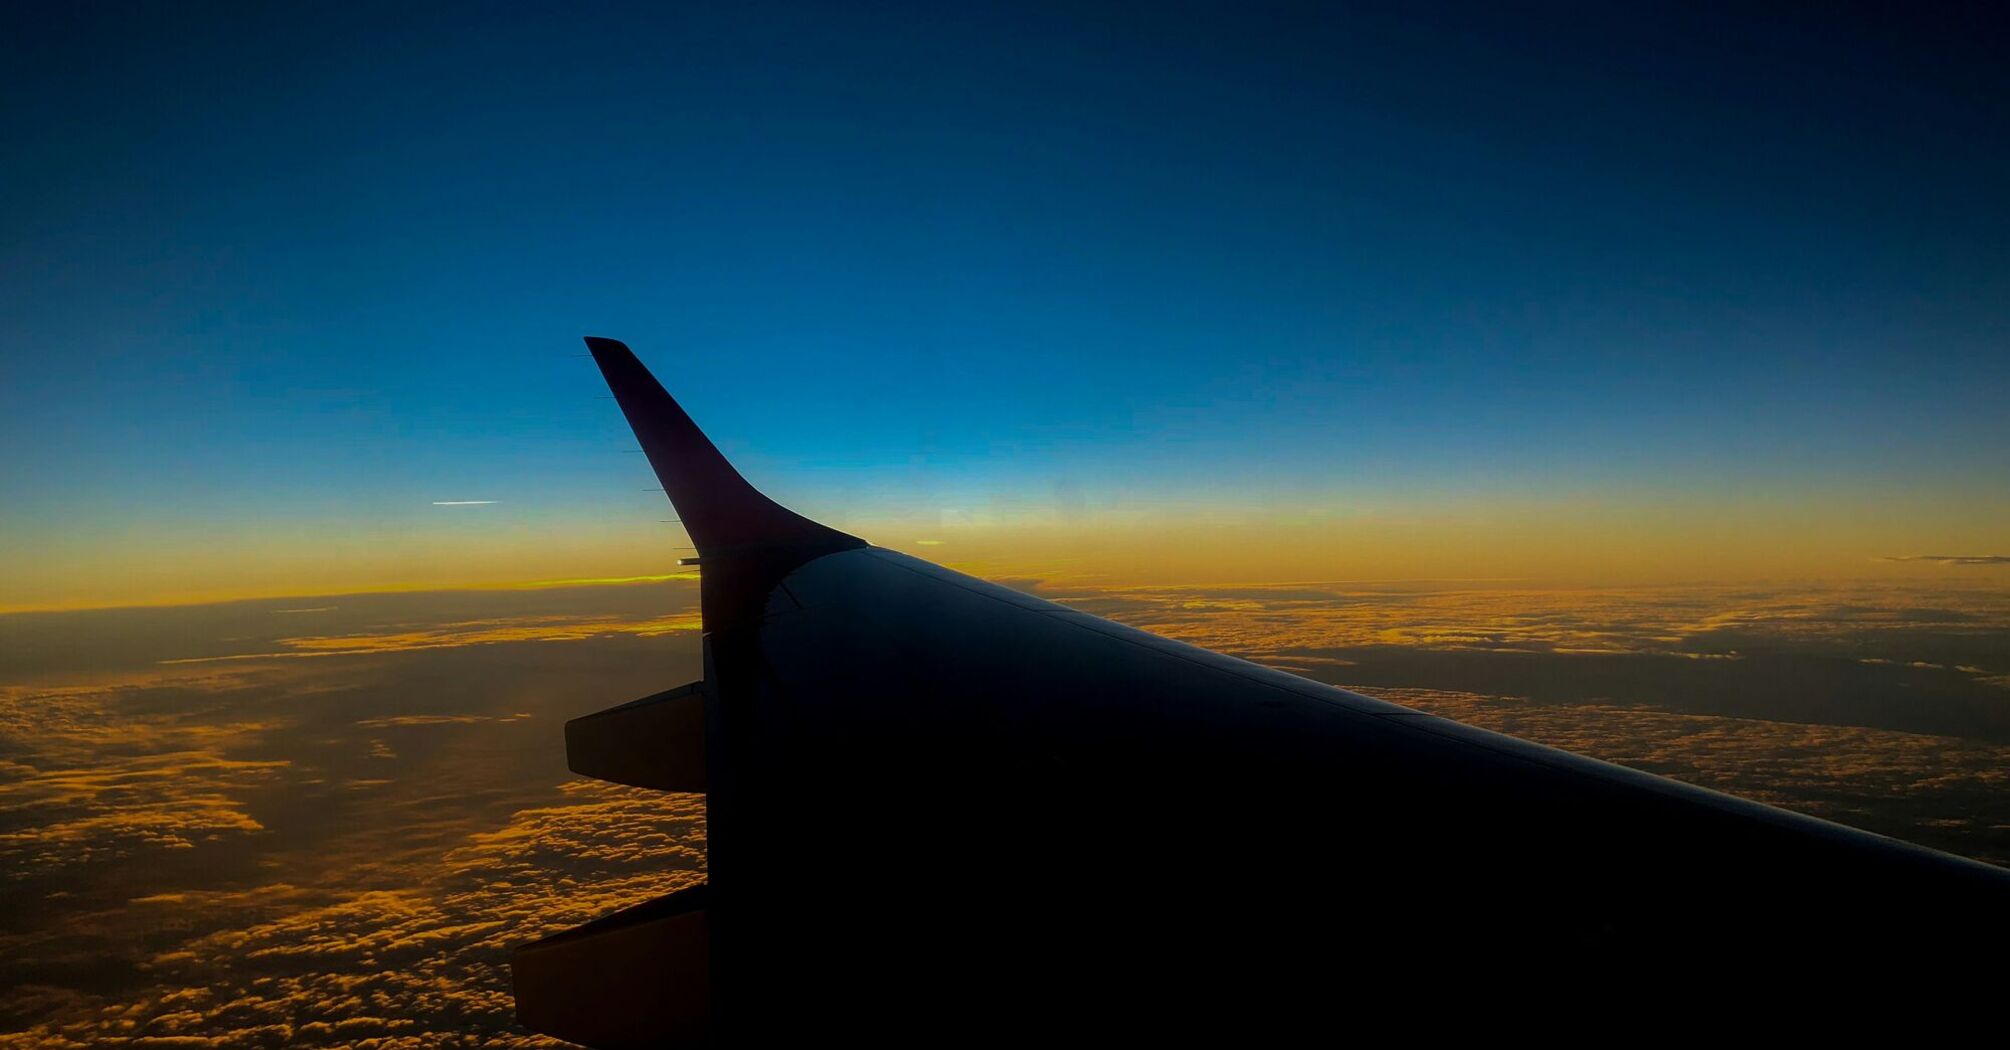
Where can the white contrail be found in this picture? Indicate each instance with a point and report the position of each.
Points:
(462, 502)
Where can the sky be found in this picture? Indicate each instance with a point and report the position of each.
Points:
(1258, 292)
(1624, 378)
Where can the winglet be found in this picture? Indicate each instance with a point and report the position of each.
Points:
(718, 508)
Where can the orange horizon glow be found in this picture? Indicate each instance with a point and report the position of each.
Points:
(1530, 552)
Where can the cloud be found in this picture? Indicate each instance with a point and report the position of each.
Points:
(322, 852)
(434, 720)
(422, 964)
(1945, 791)
(86, 645)
(1956, 559)
(451, 635)
(1688, 622)
(86, 779)
(121, 808)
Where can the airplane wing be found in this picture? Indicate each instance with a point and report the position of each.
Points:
(942, 810)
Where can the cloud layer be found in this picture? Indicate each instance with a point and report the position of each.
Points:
(207, 841)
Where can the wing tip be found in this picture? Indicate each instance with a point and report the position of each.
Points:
(599, 345)
(718, 507)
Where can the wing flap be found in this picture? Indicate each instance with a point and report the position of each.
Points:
(641, 977)
(655, 742)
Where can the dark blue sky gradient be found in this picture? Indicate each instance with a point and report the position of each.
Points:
(285, 262)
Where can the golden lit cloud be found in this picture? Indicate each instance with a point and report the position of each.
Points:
(417, 965)
(452, 635)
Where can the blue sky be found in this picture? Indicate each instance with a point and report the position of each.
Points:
(327, 263)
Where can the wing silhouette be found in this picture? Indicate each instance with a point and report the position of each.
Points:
(944, 811)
